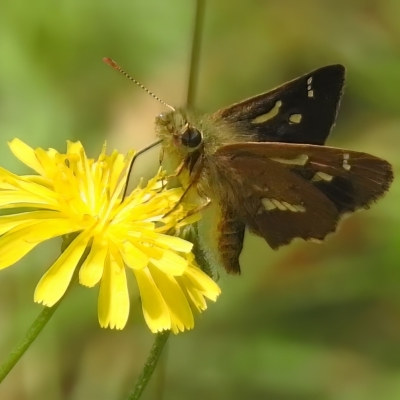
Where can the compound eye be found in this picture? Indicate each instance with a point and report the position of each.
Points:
(162, 119)
(191, 137)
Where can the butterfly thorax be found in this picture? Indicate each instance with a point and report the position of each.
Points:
(186, 131)
(189, 140)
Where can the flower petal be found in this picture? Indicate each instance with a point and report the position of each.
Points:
(23, 200)
(171, 263)
(56, 280)
(174, 243)
(32, 187)
(24, 237)
(92, 268)
(151, 251)
(196, 298)
(113, 306)
(8, 222)
(203, 282)
(26, 154)
(133, 257)
(181, 314)
(15, 251)
(155, 310)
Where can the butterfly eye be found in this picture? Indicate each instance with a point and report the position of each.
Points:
(162, 119)
(191, 137)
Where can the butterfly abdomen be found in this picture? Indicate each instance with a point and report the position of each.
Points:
(230, 240)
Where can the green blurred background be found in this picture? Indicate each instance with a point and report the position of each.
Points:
(310, 322)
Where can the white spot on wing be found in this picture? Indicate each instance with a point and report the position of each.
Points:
(273, 204)
(301, 159)
(310, 91)
(295, 118)
(289, 206)
(268, 204)
(345, 163)
(279, 205)
(269, 115)
(322, 176)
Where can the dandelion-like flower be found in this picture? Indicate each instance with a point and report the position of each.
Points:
(75, 195)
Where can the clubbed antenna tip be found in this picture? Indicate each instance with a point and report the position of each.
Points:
(111, 63)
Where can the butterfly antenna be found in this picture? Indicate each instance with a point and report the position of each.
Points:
(195, 54)
(114, 65)
(130, 168)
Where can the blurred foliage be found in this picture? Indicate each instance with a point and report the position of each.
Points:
(310, 322)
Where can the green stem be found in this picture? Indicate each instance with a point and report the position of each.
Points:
(195, 53)
(32, 333)
(149, 366)
(42, 319)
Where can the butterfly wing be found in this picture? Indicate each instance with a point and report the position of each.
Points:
(284, 191)
(300, 111)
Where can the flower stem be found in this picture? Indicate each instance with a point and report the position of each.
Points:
(42, 319)
(149, 366)
(32, 333)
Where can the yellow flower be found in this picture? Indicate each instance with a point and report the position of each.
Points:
(73, 194)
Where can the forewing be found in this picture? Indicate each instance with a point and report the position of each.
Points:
(286, 191)
(300, 111)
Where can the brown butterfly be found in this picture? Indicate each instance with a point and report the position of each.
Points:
(263, 164)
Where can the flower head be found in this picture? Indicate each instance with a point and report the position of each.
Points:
(72, 194)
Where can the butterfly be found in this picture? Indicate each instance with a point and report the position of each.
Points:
(264, 165)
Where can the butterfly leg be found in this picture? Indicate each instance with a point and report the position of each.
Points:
(197, 209)
(196, 175)
(161, 156)
(179, 169)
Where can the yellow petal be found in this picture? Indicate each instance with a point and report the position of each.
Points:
(38, 180)
(170, 263)
(155, 310)
(74, 147)
(192, 293)
(47, 162)
(113, 305)
(118, 172)
(133, 257)
(23, 238)
(26, 154)
(40, 191)
(150, 251)
(55, 281)
(8, 222)
(174, 243)
(203, 282)
(92, 268)
(24, 199)
(8, 180)
(181, 314)
(45, 229)
(17, 250)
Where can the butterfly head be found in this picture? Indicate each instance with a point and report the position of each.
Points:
(175, 129)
